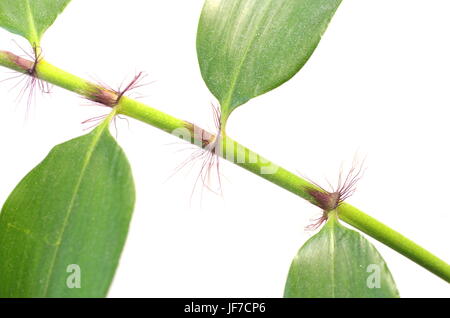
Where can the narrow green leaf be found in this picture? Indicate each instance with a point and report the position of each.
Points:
(338, 262)
(247, 48)
(30, 18)
(67, 221)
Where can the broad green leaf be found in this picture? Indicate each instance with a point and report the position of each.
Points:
(339, 263)
(248, 47)
(30, 18)
(68, 216)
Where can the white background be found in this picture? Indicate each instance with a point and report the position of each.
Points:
(378, 85)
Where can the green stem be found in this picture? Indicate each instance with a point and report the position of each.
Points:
(393, 239)
(243, 157)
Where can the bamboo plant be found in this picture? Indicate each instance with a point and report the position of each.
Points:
(75, 207)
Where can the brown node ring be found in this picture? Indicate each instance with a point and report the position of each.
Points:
(103, 96)
(200, 135)
(330, 200)
(28, 68)
(207, 155)
(106, 96)
(22, 63)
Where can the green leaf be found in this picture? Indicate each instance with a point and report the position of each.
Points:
(247, 48)
(338, 262)
(30, 18)
(70, 213)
